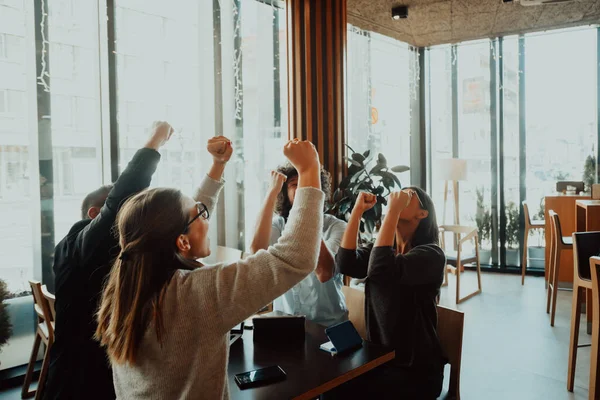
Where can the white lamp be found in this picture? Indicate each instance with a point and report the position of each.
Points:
(452, 170)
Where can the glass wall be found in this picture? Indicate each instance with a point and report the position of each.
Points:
(209, 68)
(381, 88)
(522, 111)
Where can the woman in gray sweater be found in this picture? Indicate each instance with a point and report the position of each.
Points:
(164, 318)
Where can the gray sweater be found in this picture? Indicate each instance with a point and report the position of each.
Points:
(201, 306)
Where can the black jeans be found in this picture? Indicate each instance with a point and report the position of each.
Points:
(389, 382)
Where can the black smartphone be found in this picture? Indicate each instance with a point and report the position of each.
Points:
(259, 377)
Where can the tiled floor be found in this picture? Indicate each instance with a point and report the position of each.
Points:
(509, 349)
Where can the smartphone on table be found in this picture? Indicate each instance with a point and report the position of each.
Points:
(260, 377)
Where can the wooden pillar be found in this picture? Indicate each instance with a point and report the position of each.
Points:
(316, 71)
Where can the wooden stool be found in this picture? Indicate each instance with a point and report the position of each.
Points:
(558, 243)
(529, 225)
(44, 333)
(585, 245)
(455, 261)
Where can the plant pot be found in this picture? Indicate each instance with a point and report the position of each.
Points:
(485, 256)
(537, 257)
(512, 257)
(21, 314)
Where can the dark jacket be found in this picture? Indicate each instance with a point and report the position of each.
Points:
(400, 301)
(79, 367)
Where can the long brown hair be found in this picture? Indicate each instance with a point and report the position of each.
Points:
(148, 225)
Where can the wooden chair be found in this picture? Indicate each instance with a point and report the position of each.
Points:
(450, 331)
(355, 302)
(529, 225)
(44, 333)
(51, 300)
(594, 389)
(585, 245)
(457, 260)
(558, 243)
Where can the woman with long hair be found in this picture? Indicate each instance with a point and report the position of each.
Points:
(165, 318)
(404, 270)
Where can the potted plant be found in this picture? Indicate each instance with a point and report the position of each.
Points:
(483, 219)
(512, 234)
(537, 254)
(589, 173)
(5, 325)
(363, 176)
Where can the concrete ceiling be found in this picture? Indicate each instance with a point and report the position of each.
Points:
(432, 22)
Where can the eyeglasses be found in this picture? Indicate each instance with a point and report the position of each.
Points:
(202, 212)
(414, 192)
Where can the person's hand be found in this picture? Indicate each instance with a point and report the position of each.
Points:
(161, 132)
(365, 201)
(277, 180)
(220, 149)
(398, 201)
(303, 155)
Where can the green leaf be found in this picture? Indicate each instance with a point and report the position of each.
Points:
(355, 163)
(345, 182)
(379, 190)
(382, 200)
(352, 169)
(358, 157)
(400, 168)
(366, 153)
(376, 169)
(381, 160)
(387, 176)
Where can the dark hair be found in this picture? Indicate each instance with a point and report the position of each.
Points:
(95, 199)
(427, 232)
(149, 224)
(283, 205)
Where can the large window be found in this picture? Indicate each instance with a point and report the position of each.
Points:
(561, 70)
(209, 68)
(382, 87)
(522, 111)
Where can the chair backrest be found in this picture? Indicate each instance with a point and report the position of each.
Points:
(41, 307)
(355, 302)
(585, 245)
(562, 185)
(450, 331)
(461, 232)
(50, 298)
(596, 191)
(526, 212)
(556, 229)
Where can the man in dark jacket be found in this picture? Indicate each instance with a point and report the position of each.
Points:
(79, 368)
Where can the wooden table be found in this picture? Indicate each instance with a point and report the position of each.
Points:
(587, 214)
(310, 371)
(564, 206)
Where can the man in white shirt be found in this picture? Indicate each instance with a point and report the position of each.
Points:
(319, 296)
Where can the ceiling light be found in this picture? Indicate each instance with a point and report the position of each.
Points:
(399, 12)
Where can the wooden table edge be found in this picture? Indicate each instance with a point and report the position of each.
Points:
(313, 393)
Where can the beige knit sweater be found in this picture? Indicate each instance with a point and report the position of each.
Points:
(201, 306)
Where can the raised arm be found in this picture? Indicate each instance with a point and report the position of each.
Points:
(134, 178)
(326, 265)
(262, 233)
(349, 260)
(244, 287)
(220, 149)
